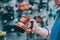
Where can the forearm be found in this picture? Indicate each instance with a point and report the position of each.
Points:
(42, 31)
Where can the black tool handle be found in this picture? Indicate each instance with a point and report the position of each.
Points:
(31, 24)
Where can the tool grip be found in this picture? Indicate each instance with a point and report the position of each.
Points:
(31, 24)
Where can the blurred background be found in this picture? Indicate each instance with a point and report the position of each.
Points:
(43, 11)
